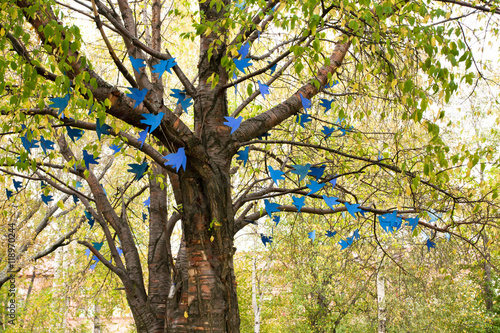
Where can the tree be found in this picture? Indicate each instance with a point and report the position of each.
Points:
(392, 45)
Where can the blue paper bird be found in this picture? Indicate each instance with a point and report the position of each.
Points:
(74, 134)
(327, 131)
(355, 234)
(302, 119)
(142, 136)
(352, 208)
(46, 145)
(9, 193)
(276, 174)
(430, 245)
(434, 216)
(317, 172)
(186, 103)
(46, 199)
(412, 221)
(179, 94)
(243, 51)
(102, 129)
(333, 181)
(28, 145)
(264, 89)
(299, 202)
(266, 239)
(273, 67)
(147, 202)
(390, 222)
(137, 63)
(176, 160)
(330, 233)
(344, 244)
(137, 95)
(138, 169)
(312, 235)
(240, 5)
(17, 185)
(75, 199)
(120, 251)
(276, 219)
(60, 103)
(103, 189)
(234, 123)
(334, 83)
(116, 149)
(164, 65)
(327, 104)
(306, 103)
(331, 201)
(314, 186)
(89, 159)
(243, 155)
(152, 120)
(301, 170)
(447, 236)
(271, 207)
(144, 217)
(241, 64)
(90, 220)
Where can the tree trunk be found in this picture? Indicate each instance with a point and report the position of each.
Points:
(255, 303)
(97, 320)
(381, 301)
(487, 284)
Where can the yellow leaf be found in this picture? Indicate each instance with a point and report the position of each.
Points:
(212, 238)
(60, 204)
(408, 191)
(2, 32)
(186, 314)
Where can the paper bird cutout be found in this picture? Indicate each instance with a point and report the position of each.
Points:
(352, 208)
(299, 202)
(327, 131)
(345, 130)
(138, 169)
(101, 129)
(234, 123)
(46, 144)
(349, 240)
(355, 234)
(317, 172)
(46, 199)
(9, 193)
(240, 5)
(176, 160)
(390, 222)
(330, 233)
(327, 104)
(243, 155)
(164, 65)
(312, 235)
(334, 83)
(430, 245)
(116, 149)
(75, 199)
(434, 216)
(142, 136)
(301, 170)
(90, 219)
(412, 221)
(28, 145)
(74, 134)
(97, 246)
(271, 207)
(447, 236)
(302, 119)
(186, 103)
(93, 266)
(179, 94)
(331, 201)
(276, 174)
(137, 63)
(78, 184)
(144, 217)
(306, 103)
(266, 239)
(60, 103)
(147, 202)
(264, 89)
(276, 219)
(137, 95)
(273, 67)
(17, 184)
(263, 136)
(120, 251)
(241, 64)
(314, 186)
(89, 159)
(333, 181)
(243, 51)
(152, 120)
(379, 157)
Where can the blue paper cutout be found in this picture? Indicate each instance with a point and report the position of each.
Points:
(46, 144)
(186, 103)
(28, 145)
(60, 103)
(345, 130)
(42, 185)
(327, 104)
(434, 216)
(390, 222)
(17, 184)
(355, 234)
(263, 135)
(271, 207)
(301, 170)
(447, 236)
(306, 103)
(276, 219)
(244, 50)
(144, 217)
(331, 201)
(137, 63)
(177, 160)
(266, 239)
(9, 193)
(314, 186)
(90, 219)
(430, 245)
(234, 123)
(334, 83)
(138, 169)
(299, 202)
(330, 233)
(264, 89)
(120, 251)
(344, 244)
(379, 157)
(352, 208)
(179, 94)
(243, 63)
(152, 120)
(97, 246)
(89, 159)
(312, 235)
(137, 95)
(78, 184)
(243, 155)
(302, 119)
(273, 67)
(164, 65)
(147, 202)
(116, 149)
(74, 134)
(333, 181)
(317, 172)
(276, 174)
(75, 199)
(47, 198)
(93, 266)
(327, 131)
(240, 5)
(412, 221)
(143, 135)
(102, 129)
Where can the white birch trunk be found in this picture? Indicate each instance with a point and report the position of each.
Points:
(381, 301)
(255, 304)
